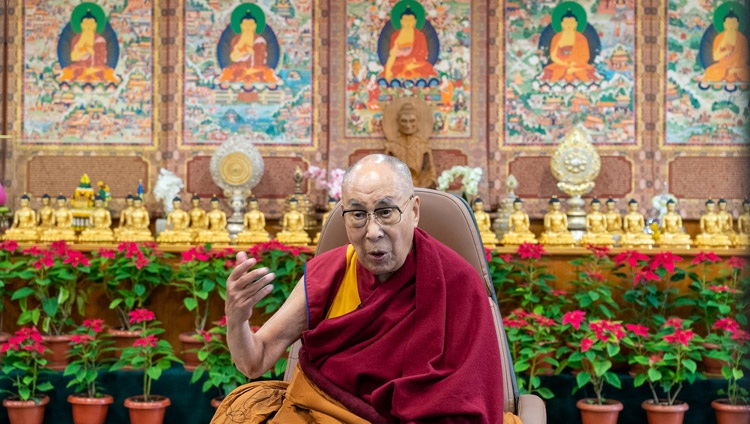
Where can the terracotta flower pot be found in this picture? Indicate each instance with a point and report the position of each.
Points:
(3, 339)
(711, 367)
(215, 402)
(57, 359)
(123, 339)
(147, 412)
(665, 414)
(592, 413)
(88, 410)
(25, 411)
(189, 342)
(727, 413)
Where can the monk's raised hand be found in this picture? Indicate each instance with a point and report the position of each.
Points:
(245, 288)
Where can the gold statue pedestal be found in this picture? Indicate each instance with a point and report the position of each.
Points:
(680, 240)
(741, 240)
(96, 236)
(175, 237)
(557, 239)
(631, 240)
(708, 241)
(252, 237)
(601, 239)
(216, 237)
(57, 234)
(516, 239)
(489, 239)
(134, 235)
(21, 234)
(293, 238)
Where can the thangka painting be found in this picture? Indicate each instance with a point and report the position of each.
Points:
(570, 64)
(248, 71)
(87, 76)
(408, 48)
(708, 73)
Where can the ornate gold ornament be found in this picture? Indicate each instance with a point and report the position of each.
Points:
(575, 163)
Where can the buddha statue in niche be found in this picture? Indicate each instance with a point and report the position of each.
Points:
(518, 226)
(742, 238)
(672, 232)
(711, 235)
(216, 231)
(63, 220)
(136, 227)
(293, 226)
(254, 225)
(633, 224)
(24, 226)
(99, 224)
(178, 221)
(596, 227)
(556, 227)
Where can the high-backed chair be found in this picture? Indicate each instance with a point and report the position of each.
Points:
(450, 220)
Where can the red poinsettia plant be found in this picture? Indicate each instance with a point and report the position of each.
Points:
(216, 361)
(532, 347)
(149, 353)
(713, 298)
(287, 264)
(593, 290)
(88, 347)
(23, 363)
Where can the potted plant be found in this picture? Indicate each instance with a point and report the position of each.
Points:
(201, 273)
(287, 264)
(9, 270)
(734, 347)
(532, 347)
(88, 343)
(593, 293)
(23, 363)
(152, 356)
(57, 285)
(670, 359)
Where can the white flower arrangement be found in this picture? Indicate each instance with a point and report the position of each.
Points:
(167, 186)
(332, 184)
(470, 178)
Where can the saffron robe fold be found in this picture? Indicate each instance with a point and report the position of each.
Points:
(421, 347)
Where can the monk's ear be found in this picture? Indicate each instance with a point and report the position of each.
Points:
(415, 208)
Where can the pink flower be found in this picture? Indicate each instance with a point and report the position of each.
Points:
(506, 258)
(94, 324)
(59, 247)
(653, 359)
(206, 335)
(665, 260)
(141, 262)
(736, 262)
(107, 253)
(726, 324)
(595, 276)
(680, 336)
(488, 254)
(586, 344)
(530, 250)
(45, 261)
(83, 339)
(222, 322)
(721, 289)
(514, 323)
(646, 275)
(9, 245)
(559, 293)
(598, 251)
(34, 347)
(632, 257)
(704, 257)
(148, 341)
(229, 263)
(32, 251)
(141, 315)
(741, 336)
(76, 258)
(637, 329)
(574, 318)
(27, 333)
(673, 322)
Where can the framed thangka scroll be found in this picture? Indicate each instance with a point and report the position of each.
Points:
(708, 73)
(410, 49)
(569, 64)
(248, 71)
(87, 73)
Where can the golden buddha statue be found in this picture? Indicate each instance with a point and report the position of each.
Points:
(596, 227)
(216, 229)
(484, 223)
(63, 219)
(197, 215)
(177, 225)
(99, 224)
(614, 219)
(633, 224)
(711, 235)
(556, 227)
(726, 221)
(672, 232)
(324, 218)
(742, 238)
(45, 215)
(518, 226)
(137, 223)
(125, 213)
(24, 223)
(254, 225)
(293, 226)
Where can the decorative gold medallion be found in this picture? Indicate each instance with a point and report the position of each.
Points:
(236, 168)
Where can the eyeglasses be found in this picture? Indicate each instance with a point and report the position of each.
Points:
(385, 216)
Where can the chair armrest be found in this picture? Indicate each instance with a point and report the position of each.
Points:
(531, 409)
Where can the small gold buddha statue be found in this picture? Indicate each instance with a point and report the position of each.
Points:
(518, 226)
(556, 227)
(63, 219)
(484, 223)
(45, 215)
(614, 219)
(137, 224)
(726, 221)
(24, 226)
(596, 227)
(324, 218)
(672, 232)
(216, 231)
(633, 224)
(293, 226)
(124, 214)
(254, 225)
(711, 235)
(177, 225)
(99, 224)
(742, 238)
(198, 221)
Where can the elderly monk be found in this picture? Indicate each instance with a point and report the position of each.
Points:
(395, 326)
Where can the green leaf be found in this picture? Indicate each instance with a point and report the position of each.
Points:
(545, 393)
(190, 303)
(154, 372)
(21, 293)
(582, 379)
(654, 374)
(690, 365)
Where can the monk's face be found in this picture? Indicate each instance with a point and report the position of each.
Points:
(407, 123)
(248, 26)
(88, 24)
(732, 24)
(569, 24)
(381, 249)
(408, 21)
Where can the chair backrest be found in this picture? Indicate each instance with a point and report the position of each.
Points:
(450, 220)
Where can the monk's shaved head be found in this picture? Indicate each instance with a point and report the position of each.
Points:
(401, 171)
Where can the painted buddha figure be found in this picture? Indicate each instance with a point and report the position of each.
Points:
(614, 219)
(596, 227)
(407, 50)
(254, 224)
(198, 221)
(137, 224)
(99, 224)
(742, 238)
(125, 213)
(63, 219)
(324, 218)
(672, 232)
(556, 226)
(248, 48)
(45, 215)
(177, 225)
(24, 226)
(729, 50)
(710, 224)
(88, 49)
(484, 223)
(293, 226)
(569, 52)
(633, 224)
(216, 231)
(726, 221)
(518, 226)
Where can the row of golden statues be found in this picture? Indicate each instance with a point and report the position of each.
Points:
(609, 228)
(183, 227)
